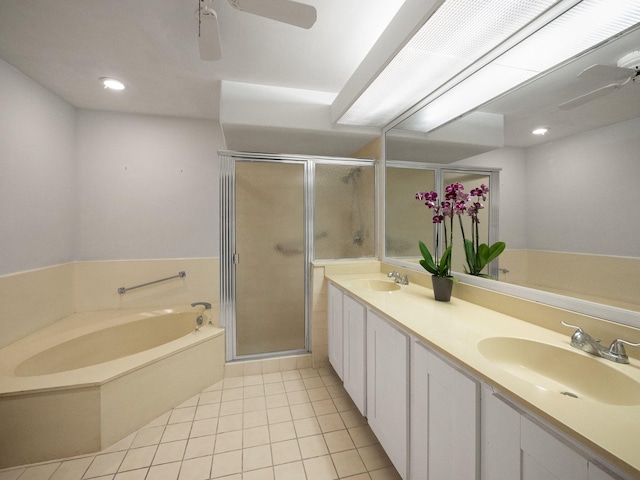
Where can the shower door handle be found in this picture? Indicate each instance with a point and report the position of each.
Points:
(236, 258)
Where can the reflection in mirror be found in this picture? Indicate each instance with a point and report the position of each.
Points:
(568, 201)
(408, 221)
(470, 181)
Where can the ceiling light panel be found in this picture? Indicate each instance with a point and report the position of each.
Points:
(578, 30)
(456, 35)
(582, 27)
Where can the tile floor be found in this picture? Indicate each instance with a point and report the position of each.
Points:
(292, 425)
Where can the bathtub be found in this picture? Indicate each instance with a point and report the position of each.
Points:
(89, 380)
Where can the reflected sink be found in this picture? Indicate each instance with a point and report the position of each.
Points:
(377, 285)
(572, 373)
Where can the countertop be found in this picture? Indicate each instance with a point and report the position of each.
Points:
(457, 327)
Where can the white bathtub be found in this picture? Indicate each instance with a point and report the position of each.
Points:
(87, 381)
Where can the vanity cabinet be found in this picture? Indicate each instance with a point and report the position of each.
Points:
(335, 327)
(444, 419)
(354, 351)
(433, 417)
(387, 388)
(515, 447)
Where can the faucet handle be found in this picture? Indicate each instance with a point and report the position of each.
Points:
(579, 336)
(617, 347)
(579, 329)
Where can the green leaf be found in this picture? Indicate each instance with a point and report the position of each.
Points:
(483, 254)
(495, 250)
(428, 263)
(445, 263)
(470, 256)
(428, 267)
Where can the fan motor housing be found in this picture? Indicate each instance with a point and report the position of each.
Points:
(630, 60)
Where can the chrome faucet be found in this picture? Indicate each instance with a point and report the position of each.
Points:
(399, 278)
(585, 342)
(206, 305)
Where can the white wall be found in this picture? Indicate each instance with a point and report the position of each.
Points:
(578, 194)
(511, 161)
(38, 207)
(96, 185)
(148, 186)
(583, 192)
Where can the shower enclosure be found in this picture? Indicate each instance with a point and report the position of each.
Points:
(278, 213)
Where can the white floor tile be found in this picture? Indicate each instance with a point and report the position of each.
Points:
(40, 472)
(138, 458)
(195, 469)
(168, 471)
(281, 425)
(105, 464)
(71, 469)
(169, 452)
(200, 446)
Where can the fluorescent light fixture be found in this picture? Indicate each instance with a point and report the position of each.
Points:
(494, 45)
(577, 30)
(456, 35)
(540, 131)
(112, 83)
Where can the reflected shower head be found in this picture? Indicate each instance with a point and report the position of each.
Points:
(353, 175)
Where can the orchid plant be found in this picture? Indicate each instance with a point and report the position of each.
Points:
(458, 203)
(438, 267)
(477, 254)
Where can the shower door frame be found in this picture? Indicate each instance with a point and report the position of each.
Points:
(228, 256)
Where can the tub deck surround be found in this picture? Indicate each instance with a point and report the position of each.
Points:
(456, 328)
(82, 410)
(14, 377)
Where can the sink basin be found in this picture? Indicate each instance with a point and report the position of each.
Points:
(572, 373)
(377, 285)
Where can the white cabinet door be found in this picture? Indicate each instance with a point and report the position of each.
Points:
(335, 325)
(545, 457)
(448, 414)
(595, 473)
(419, 441)
(500, 438)
(354, 351)
(387, 388)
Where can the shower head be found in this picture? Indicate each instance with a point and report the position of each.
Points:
(353, 175)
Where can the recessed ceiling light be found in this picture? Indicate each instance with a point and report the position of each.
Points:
(540, 131)
(112, 83)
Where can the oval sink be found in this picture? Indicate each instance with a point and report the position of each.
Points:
(572, 373)
(377, 285)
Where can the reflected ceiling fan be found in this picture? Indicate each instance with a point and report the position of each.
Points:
(285, 11)
(612, 78)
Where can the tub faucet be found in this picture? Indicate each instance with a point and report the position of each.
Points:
(399, 278)
(585, 342)
(206, 305)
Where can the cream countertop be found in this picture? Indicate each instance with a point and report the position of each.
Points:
(456, 327)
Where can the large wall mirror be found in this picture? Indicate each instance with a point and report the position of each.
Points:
(569, 208)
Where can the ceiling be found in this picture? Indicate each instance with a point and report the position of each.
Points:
(152, 47)
(509, 119)
(274, 87)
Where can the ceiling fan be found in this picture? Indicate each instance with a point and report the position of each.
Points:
(612, 78)
(286, 11)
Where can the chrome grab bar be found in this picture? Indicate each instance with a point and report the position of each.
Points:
(121, 290)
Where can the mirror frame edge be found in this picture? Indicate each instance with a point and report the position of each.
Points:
(577, 305)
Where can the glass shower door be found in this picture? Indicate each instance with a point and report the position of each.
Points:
(269, 257)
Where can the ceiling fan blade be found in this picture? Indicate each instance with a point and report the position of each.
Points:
(209, 37)
(605, 74)
(286, 11)
(586, 98)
